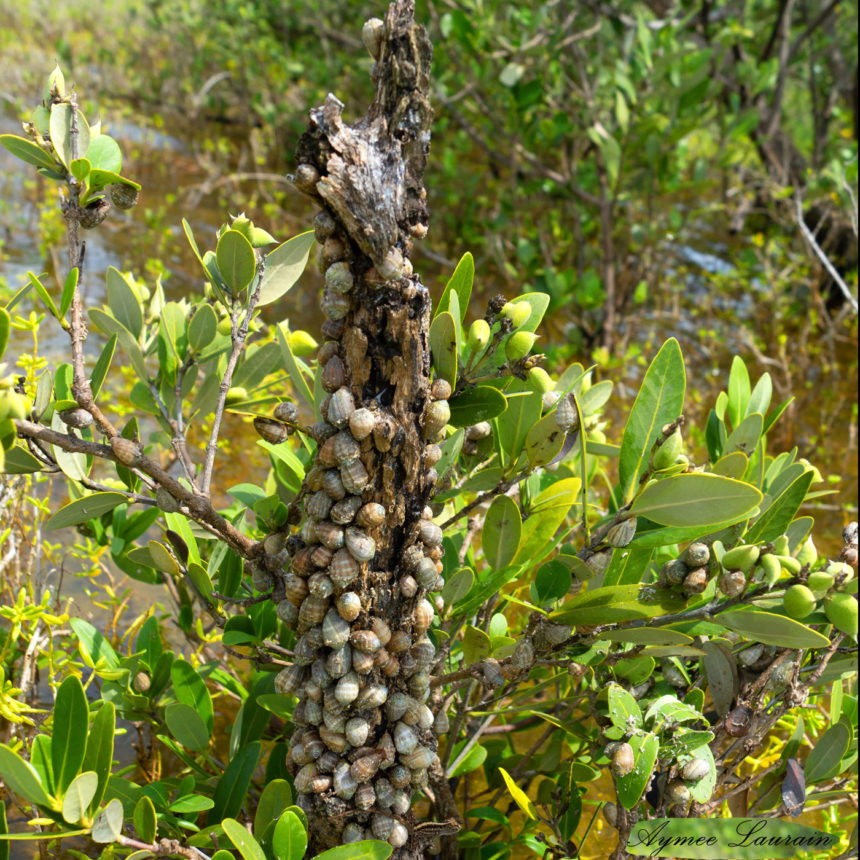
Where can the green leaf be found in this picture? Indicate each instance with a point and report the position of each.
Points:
(722, 673)
(366, 849)
(623, 709)
(69, 287)
(616, 603)
(44, 295)
(200, 578)
(443, 345)
(520, 797)
(276, 797)
(5, 327)
(776, 518)
(27, 151)
(290, 839)
(458, 585)
(161, 559)
(145, 819)
(284, 266)
(647, 636)
(760, 397)
(94, 646)
(21, 779)
(745, 436)
(103, 365)
(230, 791)
(544, 441)
(696, 499)
(546, 514)
(107, 826)
(104, 154)
(106, 323)
(123, 303)
(79, 796)
(202, 328)
(459, 283)
(61, 133)
(187, 726)
(190, 689)
(99, 754)
(660, 400)
(300, 384)
(476, 644)
(477, 404)
(19, 461)
(87, 508)
(630, 787)
(473, 759)
(4, 830)
(739, 392)
(69, 736)
(514, 423)
(100, 178)
(500, 538)
(772, 629)
(248, 847)
(236, 260)
(825, 758)
(702, 789)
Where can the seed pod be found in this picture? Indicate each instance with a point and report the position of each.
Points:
(354, 476)
(318, 505)
(429, 532)
(348, 605)
(435, 418)
(312, 610)
(335, 629)
(365, 640)
(288, 612)
(677, 792)
(331, 536)
(695, 769)
(405, 739)
(565, 414)
(339, 278)
(371, 34)
(295, 589)
(346, 690)
(345, 449)
(165, 500)
(357, 730)
(362, 661)
(341, 407)
(622, 760)
(270, 430)
(343, 569)
(621, 533)
(361, 546)
(126, 451)
(370, 515)
(372, 696)
(420, 758)
(696, 581)
(742, 557)
(344, 511)
(361, 423)
(440, 390)
(732, 582)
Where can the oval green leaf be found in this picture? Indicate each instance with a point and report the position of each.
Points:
(236, 260)
(443, 345)
(825, 758)
(290, 839)
(145, 819)
(104, 154)
(190, 689)
(248, 847)
(124, 304)
(84, 509)
(22, 779)
(544, 441)
(108, 824)
(284, 267)
(61, 133)
(27, 151)
(187, 726)
(480, 403)
(772, 629)
(69, 738)
(500, 538)
(202, 328)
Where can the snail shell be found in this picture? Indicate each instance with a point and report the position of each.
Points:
(361, 545)
(565, 414)
(343, 568)
(695, 769)
(423, 616)
(430, 533)
(345, 449)
(423, 651)
(435, 418)
(361, 423)
(338, 661)
(324, 225)
(441, 723)
(288, 612)
(362, 662)
(426, 573)
(321, 431)
(305, 180)
(408, 586)
(365, 796)
(354, 476)
(313, 610)
(392, 265)
(333, 484)
(328, 761)
(387, 663)
(440, 389)
(623, 760)
(319, 673)
(401, 803)
(420, 758)
(333, 375)
(399, 776)
(352, 832)
(370, 515)
(365, 640)
(357, 729)
(288, 680)
(419, 685)
(305, 652)
(372, 696)
(432, 455)
(398, 836)
(348, 605)
(383, 432)
(346, 690)
(335, 629)
(327, 352)
(400, 641)
(318, 505)
(127, 451)
(312, 691)
(371, 35)
(286, 411)
(384, 792)
(345, 783)
(308, 779)
(341, 407)
(335, 723)
(338, 278)
(313, 712)
(381, 629)
(381, 825)
(405, 739)
(335, 305)
(270, 430)
(295, 589)
(320, 584)
(330, 535)
(397, 705)
(344, 511)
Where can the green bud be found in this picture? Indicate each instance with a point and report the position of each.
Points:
(507, 310)
(236, 394)
(741, 557)
(520, 314)
(519, 345)
(479, 335)
(807, 554)
(841, 611)
(798, 601)
(668, 452)
(225, 326)
(820, 582)
(301, 343)
(771, 569)
(17, 406)
(792, 565)
(540, 380)
(780, 545)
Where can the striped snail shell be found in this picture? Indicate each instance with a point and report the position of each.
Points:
(333, 250)
(286, 411)
(345, 784)
(330, 535)
(333, 485)
(305, 179)
(405, 739)
(346, 690)
(341, 407)
(127, 451)
(288, 612)
(371, 35)
(301, 562)
(397, 705)
(312, 610)
(381, 629)
(321, 431)
(365, 640)
(400, 641)
(399, 777)
(392, 265)
(304, 652)
(423, 651)
(425, 573)
(324, 225)
(411, 557)
(423, 616)
(380, 825)
(339, 278)
(357, 730)
(344, 511)
(408, 665)
(354, 476)
(334, 722)
(362, 661)
(321, 555)
(387, 662)
(419, 685)
(318, 505)
(360, 544)
(401, 803)
(695, 769)
(313, 712)
(372, 696)
(408, 586)
(304, 779)
(345, 449)
(314, 478)
(270, 430)
(352, 832)
(365, 796)
(334, 740)
(333, 375)
(328, 761)
(420, 758)
(327, 351)
(441, 723)
(295, 589)
(288, 680)
(335, 629)
(338, 662)
(384, 792)
(344, 568)
(321, 585)
(370, 515)
(432, 455)
(361, 423)
(435, 418)
(319, 673)
(334, 305)
(430, 533)
(440, 389)
(312, 691)
(348, 605)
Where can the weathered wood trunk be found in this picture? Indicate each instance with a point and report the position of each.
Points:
(367, 553)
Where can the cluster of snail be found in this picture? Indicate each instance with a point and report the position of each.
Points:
(365, 736)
